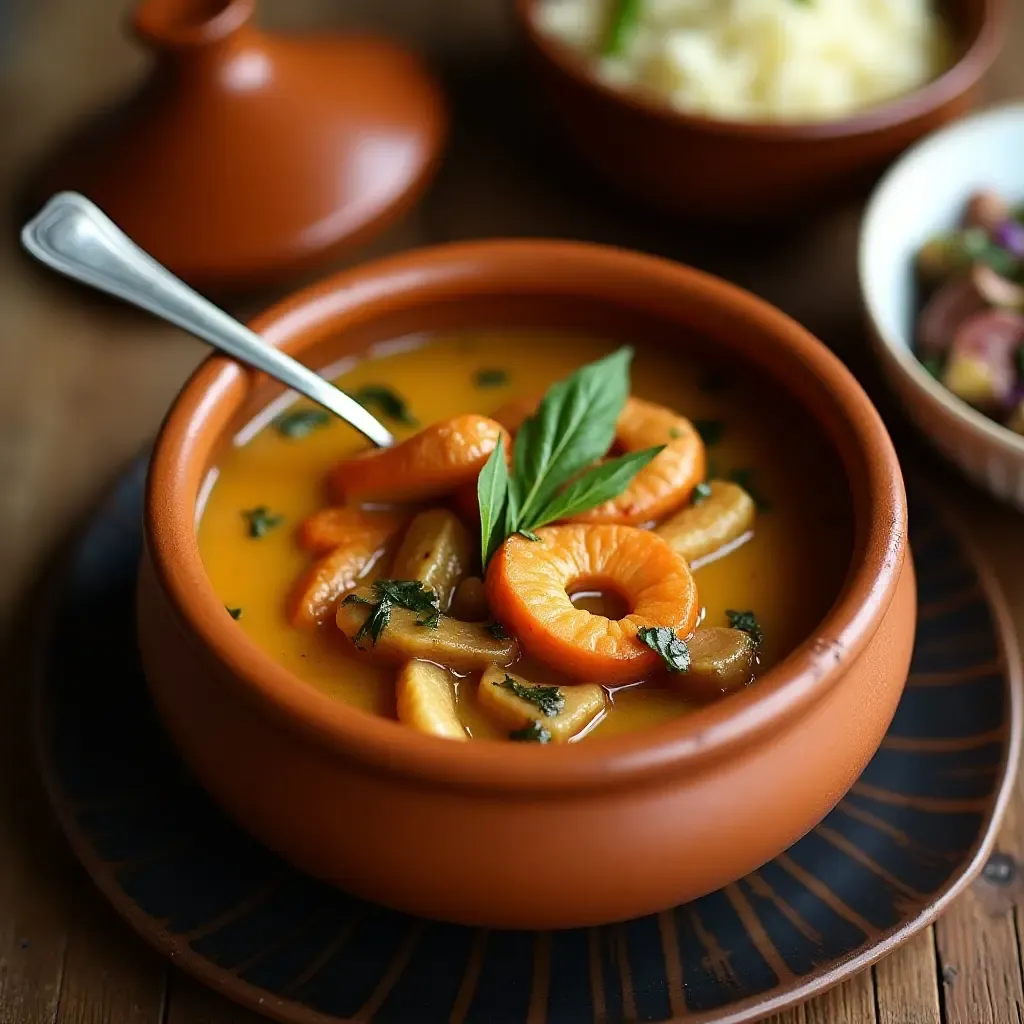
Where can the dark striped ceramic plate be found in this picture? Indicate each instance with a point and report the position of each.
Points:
(912, 832)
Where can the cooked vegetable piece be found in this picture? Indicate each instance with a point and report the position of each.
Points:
(426, 700)
(956, 301)
(436, 550)
(527, 585)
(981, 368)
(1016, 420)
(1009, 235)
(942, 257)
(461, 646)
(438, 460)
(997, 290)
(985, 209)
(332, 527)
(508, 700)
(725, 515)
(321, 586)
(469, 602)
(721, 660)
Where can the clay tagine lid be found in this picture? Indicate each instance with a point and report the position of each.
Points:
(246, 156)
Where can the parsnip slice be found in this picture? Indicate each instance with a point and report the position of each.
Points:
(462, 646)
(580, 704)
(426, 700)
(721, 660)
(436, 549)
(700, 530)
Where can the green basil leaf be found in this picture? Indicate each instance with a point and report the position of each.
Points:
(573, 427)
(492, 494)
(597, 485)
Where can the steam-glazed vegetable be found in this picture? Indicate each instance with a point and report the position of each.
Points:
(970, 330)
(556, 547)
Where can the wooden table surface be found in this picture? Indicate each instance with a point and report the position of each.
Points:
(83, 385)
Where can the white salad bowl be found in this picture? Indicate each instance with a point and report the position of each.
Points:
(923, 195)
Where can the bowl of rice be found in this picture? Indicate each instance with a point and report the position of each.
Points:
(752, 110)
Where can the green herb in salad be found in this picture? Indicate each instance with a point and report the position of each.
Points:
(624, 17)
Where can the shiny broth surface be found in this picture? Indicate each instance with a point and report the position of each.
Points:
(788, 573)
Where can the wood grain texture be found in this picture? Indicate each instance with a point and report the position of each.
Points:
(108, 975)
(84, 383)
(907, 984)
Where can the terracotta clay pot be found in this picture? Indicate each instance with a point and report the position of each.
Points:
(246, 156)
(516, 836)
(747, 172)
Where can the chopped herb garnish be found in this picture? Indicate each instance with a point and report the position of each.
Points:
(710, 431)
(674, 432)
(235, 613)
(377, 397)
(572, 429)
(664, 641)
(261, 520)
(701, 492)
(747, 623)
(624, 17)
(301, 422)
(549, 699)
(933, 364)
(498, 631)
(743, 477)
(532, 733)
(490, 378)
(408, 594)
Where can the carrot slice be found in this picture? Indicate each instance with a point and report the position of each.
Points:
(663, 485)
(331, 527)
(435, 462)
(316, 594)
(529, 583)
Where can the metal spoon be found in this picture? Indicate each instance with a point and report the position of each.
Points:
(75, 238)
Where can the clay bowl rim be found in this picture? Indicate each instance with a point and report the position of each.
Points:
(900, 358)
(207, 406)
(956, 80)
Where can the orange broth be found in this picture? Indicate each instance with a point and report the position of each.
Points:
(788, 573)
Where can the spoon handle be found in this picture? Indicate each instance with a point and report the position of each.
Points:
(75, 238)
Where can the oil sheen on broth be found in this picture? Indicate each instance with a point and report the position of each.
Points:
(788, 572)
